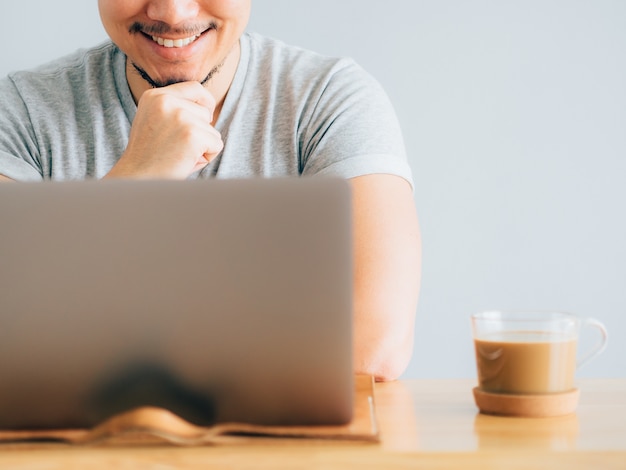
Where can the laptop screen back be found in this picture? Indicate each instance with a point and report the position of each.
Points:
(224, 300)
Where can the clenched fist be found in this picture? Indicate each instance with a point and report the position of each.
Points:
(172, 135)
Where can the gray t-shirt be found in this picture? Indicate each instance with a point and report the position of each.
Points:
(289, 112)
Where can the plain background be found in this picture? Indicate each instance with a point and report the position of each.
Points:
(514, 114)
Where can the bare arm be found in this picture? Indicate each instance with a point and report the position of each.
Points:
(387, 274)
(4, 178)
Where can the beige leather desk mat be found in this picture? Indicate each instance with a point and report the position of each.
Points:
(146, 426)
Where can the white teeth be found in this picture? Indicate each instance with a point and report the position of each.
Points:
(174, 42)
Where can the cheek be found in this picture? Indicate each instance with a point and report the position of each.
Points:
(228, 9)
(117, 14)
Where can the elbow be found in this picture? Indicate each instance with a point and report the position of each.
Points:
(389, 371)
(385, 361)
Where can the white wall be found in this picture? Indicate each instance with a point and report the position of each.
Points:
(514, 114)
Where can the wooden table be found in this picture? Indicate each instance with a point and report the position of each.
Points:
(424, 424)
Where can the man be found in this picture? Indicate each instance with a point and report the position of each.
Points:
(183, 92)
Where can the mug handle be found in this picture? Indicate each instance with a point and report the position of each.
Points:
(599, 347)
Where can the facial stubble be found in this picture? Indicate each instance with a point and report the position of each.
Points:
(161, 28)
(171, 81)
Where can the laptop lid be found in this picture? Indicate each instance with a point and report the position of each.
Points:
(222, 300)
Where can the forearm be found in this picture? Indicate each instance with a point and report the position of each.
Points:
(387, 250)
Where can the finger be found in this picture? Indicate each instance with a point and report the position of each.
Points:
(213, 145)
(189, 91)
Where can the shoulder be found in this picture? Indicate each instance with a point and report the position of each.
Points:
(269, 50)
(75, 62)
(315, 86)
(75, 71)
(290, 63)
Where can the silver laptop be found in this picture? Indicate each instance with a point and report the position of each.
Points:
(219, 300)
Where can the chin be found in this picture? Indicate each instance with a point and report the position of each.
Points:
(166, 80)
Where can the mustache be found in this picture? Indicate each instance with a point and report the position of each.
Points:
(159, 28)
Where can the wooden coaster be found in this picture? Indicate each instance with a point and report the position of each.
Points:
(531, 406)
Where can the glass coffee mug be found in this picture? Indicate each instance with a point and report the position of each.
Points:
(530, 353)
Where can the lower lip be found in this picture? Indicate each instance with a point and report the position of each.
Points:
(177, 53)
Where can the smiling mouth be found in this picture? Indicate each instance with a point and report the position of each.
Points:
(158, 33)
(177, 43)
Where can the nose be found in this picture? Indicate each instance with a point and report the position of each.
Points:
(173, 12)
